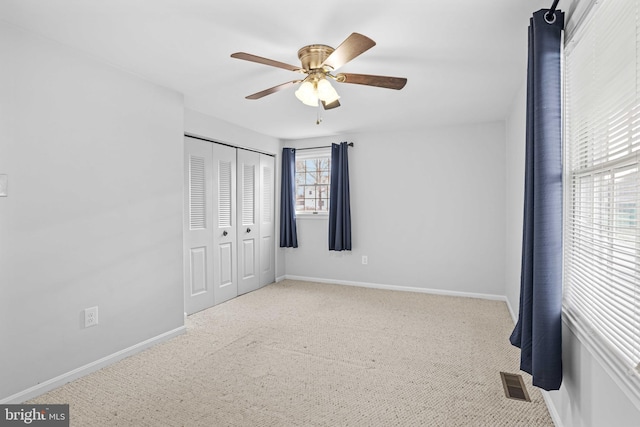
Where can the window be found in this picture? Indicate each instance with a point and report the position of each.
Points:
(313, 173)
(602, 188)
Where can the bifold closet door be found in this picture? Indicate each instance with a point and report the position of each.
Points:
(229, 222)
(225, 260)
(210, 237)
(198, 225)
(267, 220)
(248, 224)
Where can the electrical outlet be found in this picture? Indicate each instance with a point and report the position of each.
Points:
(90, 317)
(365, 260)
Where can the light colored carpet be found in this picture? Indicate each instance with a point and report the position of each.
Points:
(311, 354)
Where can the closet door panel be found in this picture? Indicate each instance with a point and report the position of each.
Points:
(198, 225)
(225, 231)
(247, 218)
(267, 219)
(249, 258)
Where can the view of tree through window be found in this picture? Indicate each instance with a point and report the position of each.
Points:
(312, 184)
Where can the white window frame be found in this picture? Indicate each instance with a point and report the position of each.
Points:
(308, 154)
(579, 304)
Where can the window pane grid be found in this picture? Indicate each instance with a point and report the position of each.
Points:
(602, 254)
(312, 184)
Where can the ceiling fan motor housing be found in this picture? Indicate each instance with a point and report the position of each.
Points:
(313, 56)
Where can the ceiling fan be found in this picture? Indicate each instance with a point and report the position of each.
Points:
(318, 62)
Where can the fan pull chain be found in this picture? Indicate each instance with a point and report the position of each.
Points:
(318, 116)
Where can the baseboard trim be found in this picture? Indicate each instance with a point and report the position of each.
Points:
(513, 314)
(555, 417)
(400, 288)
(65, 378)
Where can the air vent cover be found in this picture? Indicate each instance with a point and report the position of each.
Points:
(514, 387)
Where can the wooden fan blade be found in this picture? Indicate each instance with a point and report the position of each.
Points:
(330, 106)
(265, 61)
(353, 46)
(369, 80)
(271, 90)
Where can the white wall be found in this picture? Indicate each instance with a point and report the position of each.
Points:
(94, 212)
(427, 209)
(214, 129)
(199, 124)
(514, 198)
(588, 397)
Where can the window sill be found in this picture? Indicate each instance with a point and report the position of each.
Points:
(306, 216)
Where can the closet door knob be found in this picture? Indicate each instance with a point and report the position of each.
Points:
(248, 230)
(224, 233)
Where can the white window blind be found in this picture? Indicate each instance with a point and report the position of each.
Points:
(602, 183)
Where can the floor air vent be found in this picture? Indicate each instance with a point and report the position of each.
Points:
(514, 387)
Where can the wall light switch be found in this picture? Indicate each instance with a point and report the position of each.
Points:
(4, 184)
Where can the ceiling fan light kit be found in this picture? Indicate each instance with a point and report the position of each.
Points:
(307, 94)
(318, 61)
(316, 88)
(326, 92)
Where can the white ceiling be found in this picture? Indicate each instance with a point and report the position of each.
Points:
(464, 59)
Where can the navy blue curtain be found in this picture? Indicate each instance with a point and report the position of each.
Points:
(539, 327)
(339, 204)
(288, 230)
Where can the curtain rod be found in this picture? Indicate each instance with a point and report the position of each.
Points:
(324, 146)
(550, 15)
